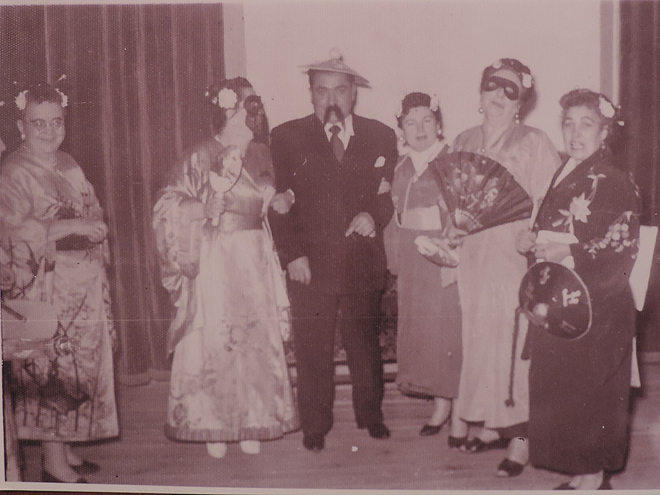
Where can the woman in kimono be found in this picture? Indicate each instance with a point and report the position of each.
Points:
(491, 269)
(53, 235)
(229, 380)
(579, 389)
(429, 318)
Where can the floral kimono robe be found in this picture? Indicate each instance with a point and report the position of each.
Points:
(69, 397)
(489, 276)
(579, 389)
(229, 379)
(429, 314)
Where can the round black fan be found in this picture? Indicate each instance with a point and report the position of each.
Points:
(555, 298)
(480, 193)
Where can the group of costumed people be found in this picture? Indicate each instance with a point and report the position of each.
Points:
(554, 402)
(265, 237)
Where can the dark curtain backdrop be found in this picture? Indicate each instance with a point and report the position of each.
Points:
(640, 102)
(135, 78)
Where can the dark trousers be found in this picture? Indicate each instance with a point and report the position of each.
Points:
(315, 317)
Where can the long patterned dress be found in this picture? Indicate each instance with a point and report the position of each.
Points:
(429, 316)
(579, 390)
(229, 378)
(489, 276)
(69, 397)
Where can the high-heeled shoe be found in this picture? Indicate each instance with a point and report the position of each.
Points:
(46, 477)
(430, 430)
(457, 442)
(509, 468)
(604, 485)
(477, 445)
(87, 467)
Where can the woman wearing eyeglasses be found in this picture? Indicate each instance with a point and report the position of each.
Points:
(229, 380)
(53, 236)
(493, 389)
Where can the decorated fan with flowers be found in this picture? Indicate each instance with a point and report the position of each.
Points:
(479, 192)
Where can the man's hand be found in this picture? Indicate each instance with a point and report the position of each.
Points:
(299, 271)
(362, 224)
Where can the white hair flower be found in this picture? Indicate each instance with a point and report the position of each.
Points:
(21, 102)
(226, 99)
(497, 64)
(435, 103)
(399, 112)
(65, 98)
(606, 108)
(527, 80)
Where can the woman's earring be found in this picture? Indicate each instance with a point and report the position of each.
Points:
(517, 118)
(481, 109)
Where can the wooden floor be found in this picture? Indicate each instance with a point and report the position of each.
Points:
(143, 458)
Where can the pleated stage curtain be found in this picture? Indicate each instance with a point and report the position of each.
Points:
(135, 76)
(640, 102)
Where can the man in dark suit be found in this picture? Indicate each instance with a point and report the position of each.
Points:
(338, 167)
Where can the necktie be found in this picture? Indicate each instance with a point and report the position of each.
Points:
(335, 142)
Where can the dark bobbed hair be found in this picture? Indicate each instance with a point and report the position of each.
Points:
(218, 114)
(414, 100)
(42, 93)
(528, 95)
(311, 74)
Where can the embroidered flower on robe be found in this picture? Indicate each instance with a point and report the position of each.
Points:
(616, 238)
(579, 208)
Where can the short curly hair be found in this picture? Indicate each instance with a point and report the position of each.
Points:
(582, 97)
(414, 100)
(528, 95)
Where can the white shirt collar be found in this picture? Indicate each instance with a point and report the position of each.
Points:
(421, 159)
(346, 130)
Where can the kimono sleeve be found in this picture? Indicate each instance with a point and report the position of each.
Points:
(605, 256)
(178, 233)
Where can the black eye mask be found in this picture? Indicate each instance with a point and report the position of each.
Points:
(510, 88)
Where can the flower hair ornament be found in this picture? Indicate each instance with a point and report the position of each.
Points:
(21, 99)
(225, 99)
(608, 109)
(434, 105)
(523, 72)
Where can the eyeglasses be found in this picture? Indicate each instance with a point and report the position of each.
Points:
(42, 125)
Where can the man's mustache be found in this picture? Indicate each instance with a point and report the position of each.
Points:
(333, 109)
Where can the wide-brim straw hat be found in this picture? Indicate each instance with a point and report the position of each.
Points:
(336, 64)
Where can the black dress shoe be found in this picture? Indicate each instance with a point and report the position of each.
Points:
(378, 430)
(509, 468)
(477, 445)
(314, 441)
(86, 467)
(457, 442)
(46, 477)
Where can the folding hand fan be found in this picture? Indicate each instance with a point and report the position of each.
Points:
(479, 192)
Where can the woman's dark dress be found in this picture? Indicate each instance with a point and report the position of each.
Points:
(579, 390)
